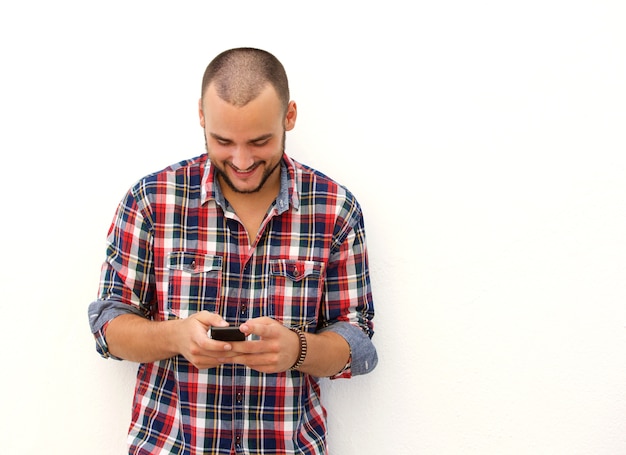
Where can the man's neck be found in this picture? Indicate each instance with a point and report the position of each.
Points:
(251, 208)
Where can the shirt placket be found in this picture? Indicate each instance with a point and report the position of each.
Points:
(245, 296)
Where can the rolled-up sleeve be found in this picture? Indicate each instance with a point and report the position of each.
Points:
(364, 357)
(101, 312)
(348, 303)
(126, 281)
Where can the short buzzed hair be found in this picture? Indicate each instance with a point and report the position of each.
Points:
(240, 75)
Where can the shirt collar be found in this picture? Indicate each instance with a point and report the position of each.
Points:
(288, 192)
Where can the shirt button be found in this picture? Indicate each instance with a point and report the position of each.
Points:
(193, 265)
(296, 272)
(239, 398)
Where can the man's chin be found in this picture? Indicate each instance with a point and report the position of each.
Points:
(242, 187)
(245, 190)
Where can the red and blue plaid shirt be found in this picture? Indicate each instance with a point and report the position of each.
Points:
(176, 247)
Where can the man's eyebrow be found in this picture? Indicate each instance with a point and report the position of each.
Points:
(261, 138)
(217, 137)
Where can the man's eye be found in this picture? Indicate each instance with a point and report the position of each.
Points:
(261, 143)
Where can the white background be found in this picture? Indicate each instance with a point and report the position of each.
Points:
(485, 141)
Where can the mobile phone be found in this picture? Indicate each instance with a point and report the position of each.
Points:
(230, 333)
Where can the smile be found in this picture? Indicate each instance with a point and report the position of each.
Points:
(244, 172)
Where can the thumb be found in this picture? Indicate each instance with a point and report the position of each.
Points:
(210, 319)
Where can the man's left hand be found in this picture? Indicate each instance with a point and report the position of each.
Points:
(276, 349)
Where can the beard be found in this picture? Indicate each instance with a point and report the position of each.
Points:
(266, 174)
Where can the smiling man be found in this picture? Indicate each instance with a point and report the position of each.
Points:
(244, 237)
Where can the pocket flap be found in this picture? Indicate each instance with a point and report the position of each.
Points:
(193, 262)
(296, 270)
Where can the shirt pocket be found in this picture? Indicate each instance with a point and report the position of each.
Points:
(194, 283)
(295, 291)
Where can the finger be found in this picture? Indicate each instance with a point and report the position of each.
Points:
(217, 347)
(250, 360)
(262, 327)
(265, 363)
(250, 347)
(210, 319)
(265, 320)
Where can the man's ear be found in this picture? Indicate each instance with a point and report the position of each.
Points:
(290, 117)
(201, 113)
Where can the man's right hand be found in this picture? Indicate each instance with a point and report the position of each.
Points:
(195, 344)
(137, 339)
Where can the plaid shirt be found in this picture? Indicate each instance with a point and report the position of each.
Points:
(176, 247)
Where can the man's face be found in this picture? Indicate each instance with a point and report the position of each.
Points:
(246, 144)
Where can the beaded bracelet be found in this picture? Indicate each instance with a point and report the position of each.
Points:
(303, 348)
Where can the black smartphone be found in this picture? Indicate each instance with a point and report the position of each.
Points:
(230, 333)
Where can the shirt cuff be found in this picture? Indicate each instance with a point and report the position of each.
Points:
(101, 312)
(364, 357)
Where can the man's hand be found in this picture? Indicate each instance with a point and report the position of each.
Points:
(276, 349)
(193, 342)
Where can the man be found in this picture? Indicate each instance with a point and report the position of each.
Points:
(241, 236)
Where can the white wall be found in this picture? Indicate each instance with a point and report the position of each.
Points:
(485, 141)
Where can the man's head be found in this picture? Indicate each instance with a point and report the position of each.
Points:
(239, 75)
(245, 111)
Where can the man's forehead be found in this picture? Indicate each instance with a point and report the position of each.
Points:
(241, 97)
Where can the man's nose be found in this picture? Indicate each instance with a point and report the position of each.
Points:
(242, 158)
